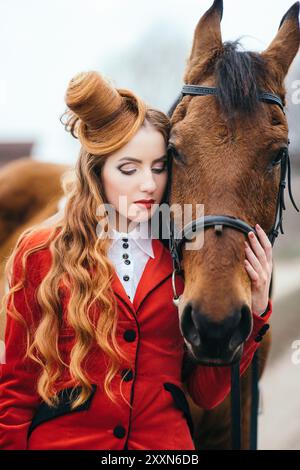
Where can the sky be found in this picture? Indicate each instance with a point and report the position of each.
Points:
(138, 44)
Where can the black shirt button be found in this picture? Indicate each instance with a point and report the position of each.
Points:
(125, 256)
(125, 239)
(129, 335)
(119, 432)
(127, 374)
(126, 277)
(127, 261)
(125, 245)
(258, 338)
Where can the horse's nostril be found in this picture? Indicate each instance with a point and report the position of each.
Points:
(187, 326)
(243, 329)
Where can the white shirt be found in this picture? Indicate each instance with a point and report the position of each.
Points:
(129, 253)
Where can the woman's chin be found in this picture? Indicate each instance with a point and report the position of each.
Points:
(141, 215)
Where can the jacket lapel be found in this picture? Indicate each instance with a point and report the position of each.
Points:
(156, 270)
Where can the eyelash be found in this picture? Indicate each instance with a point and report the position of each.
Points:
(157, 171)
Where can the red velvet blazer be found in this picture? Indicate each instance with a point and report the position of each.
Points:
(148, 329)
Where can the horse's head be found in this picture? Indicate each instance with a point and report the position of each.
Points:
(227, 153)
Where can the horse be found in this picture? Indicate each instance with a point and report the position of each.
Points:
(208, 148)
(30, 192)
(229, 135)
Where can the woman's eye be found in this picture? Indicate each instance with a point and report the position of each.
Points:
(128, 172)
(161, 169)
(155, 170)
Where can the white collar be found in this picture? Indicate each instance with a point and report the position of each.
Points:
(139, 235)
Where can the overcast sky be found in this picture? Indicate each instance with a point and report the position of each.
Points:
(44, 43)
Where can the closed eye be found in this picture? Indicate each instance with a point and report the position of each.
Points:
(155, 170)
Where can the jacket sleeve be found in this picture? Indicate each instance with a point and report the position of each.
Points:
(208, 386)
(18, 375)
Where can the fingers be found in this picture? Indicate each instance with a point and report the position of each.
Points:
(251, 271)
(253, 262)
(265, 242)
(261, 247)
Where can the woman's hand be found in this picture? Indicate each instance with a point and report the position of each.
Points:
(258, 265)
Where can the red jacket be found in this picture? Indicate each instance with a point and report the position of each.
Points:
(149, 331)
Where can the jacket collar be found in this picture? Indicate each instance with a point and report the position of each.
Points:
(156, 270)
(139, 236)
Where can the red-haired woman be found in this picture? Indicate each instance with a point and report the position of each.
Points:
(94, 352)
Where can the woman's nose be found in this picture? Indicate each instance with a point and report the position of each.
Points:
(148, 183)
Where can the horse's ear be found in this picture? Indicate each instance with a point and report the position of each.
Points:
(207, 38)
(282, 50)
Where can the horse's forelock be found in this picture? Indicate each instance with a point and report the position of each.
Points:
(239, 78)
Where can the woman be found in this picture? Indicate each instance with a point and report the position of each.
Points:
(93, 347)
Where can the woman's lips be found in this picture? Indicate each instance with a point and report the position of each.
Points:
(145, 204)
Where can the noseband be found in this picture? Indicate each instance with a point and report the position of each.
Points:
(178, 239)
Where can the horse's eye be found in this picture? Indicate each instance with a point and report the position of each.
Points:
(173, 152)
(279, 156)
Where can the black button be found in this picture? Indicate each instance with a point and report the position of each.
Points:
(264, 329)
(125, 245)
(125, 256)
(258, 338)
(129, 335)
(125, 239)
(119, 432)
(126, 278)
(127, 374)
(128, 296)
(127, 261)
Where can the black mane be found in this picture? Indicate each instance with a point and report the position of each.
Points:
(238, 78)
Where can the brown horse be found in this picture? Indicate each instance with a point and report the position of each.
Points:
(29, 193)
(226, 151)
(229, 157)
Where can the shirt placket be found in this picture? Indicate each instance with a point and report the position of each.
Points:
(127, 267)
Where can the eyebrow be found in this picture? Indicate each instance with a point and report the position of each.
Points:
(140, 161)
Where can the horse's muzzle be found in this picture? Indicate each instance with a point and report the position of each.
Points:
(215, 342)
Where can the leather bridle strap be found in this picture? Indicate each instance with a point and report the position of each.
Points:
(264, 96)
(235, 406)
(186, 234)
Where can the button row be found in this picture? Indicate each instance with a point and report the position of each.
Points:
(262, 332)
(127, 374)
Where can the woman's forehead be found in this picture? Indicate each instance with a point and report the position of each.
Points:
(146, 144)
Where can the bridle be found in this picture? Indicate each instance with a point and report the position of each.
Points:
(177, 239)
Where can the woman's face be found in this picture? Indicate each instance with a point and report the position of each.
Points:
(136, 172)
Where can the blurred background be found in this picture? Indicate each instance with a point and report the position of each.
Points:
(144, 46)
